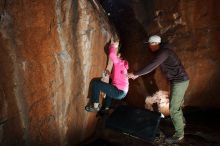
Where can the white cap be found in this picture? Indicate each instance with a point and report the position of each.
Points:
(154, 39)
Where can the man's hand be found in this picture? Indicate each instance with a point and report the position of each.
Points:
(132, 76)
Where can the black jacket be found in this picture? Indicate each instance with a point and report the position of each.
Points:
(169, 63)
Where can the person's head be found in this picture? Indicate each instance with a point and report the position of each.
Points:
(115, 41)
(116, 44)
(154, 42)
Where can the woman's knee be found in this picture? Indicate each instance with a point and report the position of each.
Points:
(95, 82)
(121, 96)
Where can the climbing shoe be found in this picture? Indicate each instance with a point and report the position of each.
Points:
(91, 108)
(174, 140)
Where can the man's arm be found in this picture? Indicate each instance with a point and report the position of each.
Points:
(112, 53)
(154, 63)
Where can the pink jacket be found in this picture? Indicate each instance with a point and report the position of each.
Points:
(119, 71)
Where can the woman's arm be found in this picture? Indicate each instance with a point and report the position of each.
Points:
(112, 53)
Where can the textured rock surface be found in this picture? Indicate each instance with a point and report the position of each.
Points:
(192, 27)
(51, 49)
(49, 52)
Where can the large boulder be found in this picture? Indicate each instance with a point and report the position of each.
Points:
(49, 52)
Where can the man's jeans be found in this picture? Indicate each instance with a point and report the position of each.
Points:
(177, 93)
(110, 91)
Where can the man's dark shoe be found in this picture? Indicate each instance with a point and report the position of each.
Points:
(91, 108)
(174, 140)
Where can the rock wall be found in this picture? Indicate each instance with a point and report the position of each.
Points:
(193, 27)
(49, 52)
